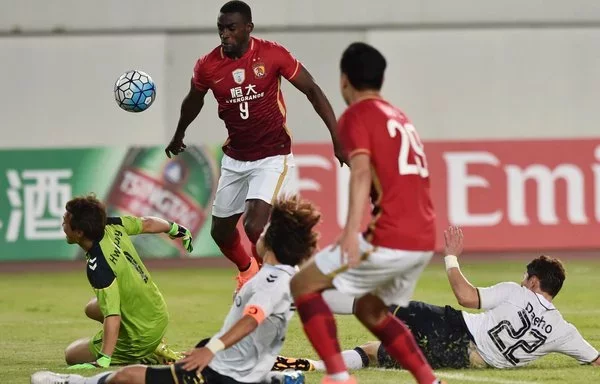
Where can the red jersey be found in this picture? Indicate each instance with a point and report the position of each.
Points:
(249, 95)
(403, 215)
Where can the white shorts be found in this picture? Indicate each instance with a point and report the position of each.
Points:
(264, 179)
(390, 274)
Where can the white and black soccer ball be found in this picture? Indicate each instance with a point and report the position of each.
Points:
(135, 91)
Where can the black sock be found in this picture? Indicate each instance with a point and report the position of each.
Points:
(363, 356)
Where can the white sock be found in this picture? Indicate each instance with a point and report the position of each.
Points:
(318, 364)
(339, 303)
(352, 359)
(94, 379)
(340, 376)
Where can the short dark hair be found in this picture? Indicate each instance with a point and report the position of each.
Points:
(237, 6)
(364, 66)
(291, 235)
(88, 215)
(550, 272)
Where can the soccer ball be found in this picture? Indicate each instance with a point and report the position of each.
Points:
(135, 91)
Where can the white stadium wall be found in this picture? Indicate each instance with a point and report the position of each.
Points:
(35, 15)
(473, 70)
(57, 91)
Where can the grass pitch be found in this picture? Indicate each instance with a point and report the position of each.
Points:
(42, 313)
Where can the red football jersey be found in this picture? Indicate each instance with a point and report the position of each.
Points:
(249, 95)
(403, 215)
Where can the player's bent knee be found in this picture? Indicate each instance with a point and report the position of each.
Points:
(370, 312)
(310, 279)
(253, 229)
(253, 232)
(92, 310)
(295, 286)
(71, 355)
(223, 229)
(221, 234)
(300, 286)
(79, 352)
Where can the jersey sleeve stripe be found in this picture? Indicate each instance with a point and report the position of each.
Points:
(295, 70)
(478, 299)
(359, 151)
(279, 103)
(255, 312)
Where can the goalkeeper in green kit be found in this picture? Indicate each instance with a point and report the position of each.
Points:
(129, 305)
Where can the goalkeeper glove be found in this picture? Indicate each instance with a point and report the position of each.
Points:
(179, 231)
(102, 362)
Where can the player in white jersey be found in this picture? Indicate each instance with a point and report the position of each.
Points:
(519, 323)
(244, 350)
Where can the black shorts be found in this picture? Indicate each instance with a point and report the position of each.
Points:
(213, 377)
(165, 375)
(440, 332)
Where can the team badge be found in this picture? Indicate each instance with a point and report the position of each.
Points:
(259, 70)
(239, 75)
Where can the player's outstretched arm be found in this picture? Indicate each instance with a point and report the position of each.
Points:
(465, 292)
(306, 84)
(190, 108)
(245, 326)
(151, 224)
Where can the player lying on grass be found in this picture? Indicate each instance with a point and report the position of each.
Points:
(129, 305)
(251, 337)
(519, 323)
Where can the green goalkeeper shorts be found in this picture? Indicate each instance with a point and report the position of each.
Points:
(129, 351)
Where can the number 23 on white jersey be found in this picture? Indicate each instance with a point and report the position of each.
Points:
(409, 139)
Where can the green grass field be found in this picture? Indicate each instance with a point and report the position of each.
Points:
(42, 313)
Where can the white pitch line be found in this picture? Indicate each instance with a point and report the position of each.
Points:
(477, 379)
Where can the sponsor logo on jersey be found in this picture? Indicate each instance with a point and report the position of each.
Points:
(239, 75)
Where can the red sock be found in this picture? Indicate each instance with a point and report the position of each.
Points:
(256, 255)
(235, 252)
(319, 326)
(400, 343)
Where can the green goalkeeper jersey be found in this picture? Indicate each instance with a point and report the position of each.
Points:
(124, 286)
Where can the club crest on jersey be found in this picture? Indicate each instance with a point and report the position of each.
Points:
(259, 70)
(239, 75)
